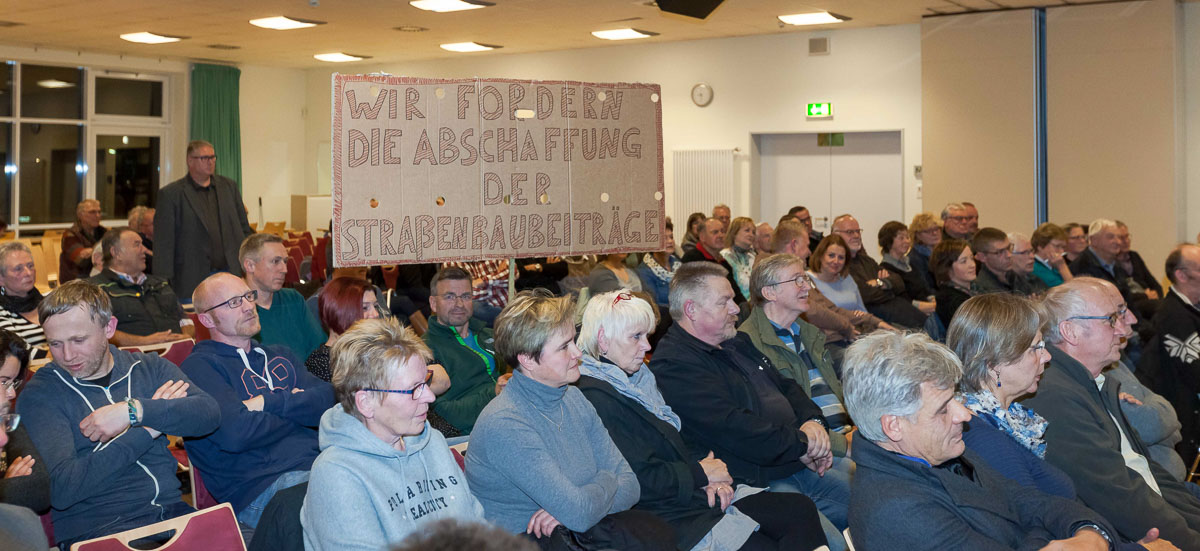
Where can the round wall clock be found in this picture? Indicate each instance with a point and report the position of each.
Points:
(702, 94)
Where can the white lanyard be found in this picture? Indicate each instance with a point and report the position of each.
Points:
(266, 376)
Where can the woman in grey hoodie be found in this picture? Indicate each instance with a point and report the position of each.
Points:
(383, 471)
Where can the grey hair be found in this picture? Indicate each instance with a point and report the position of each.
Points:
(615, 317)
(136, 214)
(766, 272)
(1098, 226)
(1066, 301)
(884, 372)
(1014, 236)
(9, 247)
(691, 283)
(991, 330)
(950, 207)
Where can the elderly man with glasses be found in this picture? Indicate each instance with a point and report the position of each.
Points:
(1088, 436)
(959, 221)
(270, 405)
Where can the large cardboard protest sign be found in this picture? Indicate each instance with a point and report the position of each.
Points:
(431, 170)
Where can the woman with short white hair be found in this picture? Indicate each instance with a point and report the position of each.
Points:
(694, 494)
(19, 297)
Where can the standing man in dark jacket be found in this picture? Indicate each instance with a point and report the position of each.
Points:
(734, 402)
(465, 347)
(1088, 436)
(199, 224)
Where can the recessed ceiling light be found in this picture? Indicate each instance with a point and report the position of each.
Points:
(816, 18)
(339, 57)
(442, 6)
(281, 23)
(223, 47)
(468, 47)
(55, 83)
(623, 34)
(411, 28)
(150, 38)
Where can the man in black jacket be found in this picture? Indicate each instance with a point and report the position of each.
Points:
(1102, 260)
(734, 402)
(708, 249)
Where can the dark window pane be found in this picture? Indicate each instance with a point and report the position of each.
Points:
(120, 96)
(6, 91)
(51, 92)
(126, 173)
(51, 172)
(9, 166)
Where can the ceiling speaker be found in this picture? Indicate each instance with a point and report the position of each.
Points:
(690, 8)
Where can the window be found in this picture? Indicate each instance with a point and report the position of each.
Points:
(51, 92)
(119, 96)
(51, 172)
(126, 173)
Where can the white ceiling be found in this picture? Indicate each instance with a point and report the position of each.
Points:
(366, 27)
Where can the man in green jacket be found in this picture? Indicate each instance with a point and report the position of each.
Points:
(779, 291)
(465, 347)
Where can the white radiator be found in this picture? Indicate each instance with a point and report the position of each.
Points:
(702, 179)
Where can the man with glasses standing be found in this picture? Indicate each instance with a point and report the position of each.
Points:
(1088, 436)
(270, 405)
(465, 347)
(199, 223)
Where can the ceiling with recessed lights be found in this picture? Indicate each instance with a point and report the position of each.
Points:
(220, 29)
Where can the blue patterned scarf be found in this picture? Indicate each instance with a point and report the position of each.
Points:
(1021, 423)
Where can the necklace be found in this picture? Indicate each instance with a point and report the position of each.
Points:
(562, 414)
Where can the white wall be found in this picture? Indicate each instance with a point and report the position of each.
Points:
(274, 161)
(1191, 114)
(761, 85)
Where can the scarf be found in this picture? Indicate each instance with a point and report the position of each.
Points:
(663, 274)
(20, 305)
(1021, 423)
(640, 387)
(901, 263)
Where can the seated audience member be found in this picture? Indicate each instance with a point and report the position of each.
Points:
(146, 308)
(972, 216)
(1049, 241)
(954, 268)
(839, 324)
(543, 272)
(926, 234)
(612, 274)
(739, 252)
(19, 297)
(957, 222)
(721, 212)
(896, 242)
(708, 249)
(691, 234)
(75, 261)
(1152, 416)
(284, 319)
(993, 256)
(917, 486)
(878, 287)
(1024, 282)
(1140, 278)
(733, 401)
(270, 406)
(1101, 260)
(540, 457)
(691, 493)
(801, 215)
(20, 528)
(465, 348)
(1077, 241)
(141, 220)
(779, 291)
(830, 273)
(343, 301)
(656, 270)
(97, 259)
(454, 535)
(762, 238)
(1087, 437)
(100, 438)
(24, 480)
(383, 474)
(1169, 361)
(489, 284)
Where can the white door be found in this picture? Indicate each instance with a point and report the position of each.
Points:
(863, 177)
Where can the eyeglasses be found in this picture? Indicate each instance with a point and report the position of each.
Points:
(235, 302)
(451, 297)
(1040, 346)
(1021, 253)
(622, 296)
(13, 384)
(204, 158)
(416, 391)
(1113, 319)
(10, 421)
(851, 232)
(801, 281)
(962, 218)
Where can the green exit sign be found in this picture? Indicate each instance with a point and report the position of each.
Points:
(820, 109)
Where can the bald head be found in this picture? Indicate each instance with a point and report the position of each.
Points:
(213, 290)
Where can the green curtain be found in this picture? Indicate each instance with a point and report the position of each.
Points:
(215, 115)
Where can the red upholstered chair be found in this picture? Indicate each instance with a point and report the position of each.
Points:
(201, 499)
(293, 272)
(174, 351)
(202, 333)
(318, 261)
(204, 530)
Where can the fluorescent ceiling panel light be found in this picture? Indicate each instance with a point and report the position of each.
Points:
(443, 6)
(468, 47)
(281, 23)
(623, 34)
(339, 57)
(55, 83)
(817, 18)
(150, 38)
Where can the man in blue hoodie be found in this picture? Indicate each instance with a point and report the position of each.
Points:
(97, 415)
(270, 405)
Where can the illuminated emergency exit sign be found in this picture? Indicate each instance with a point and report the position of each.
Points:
(820, 109)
